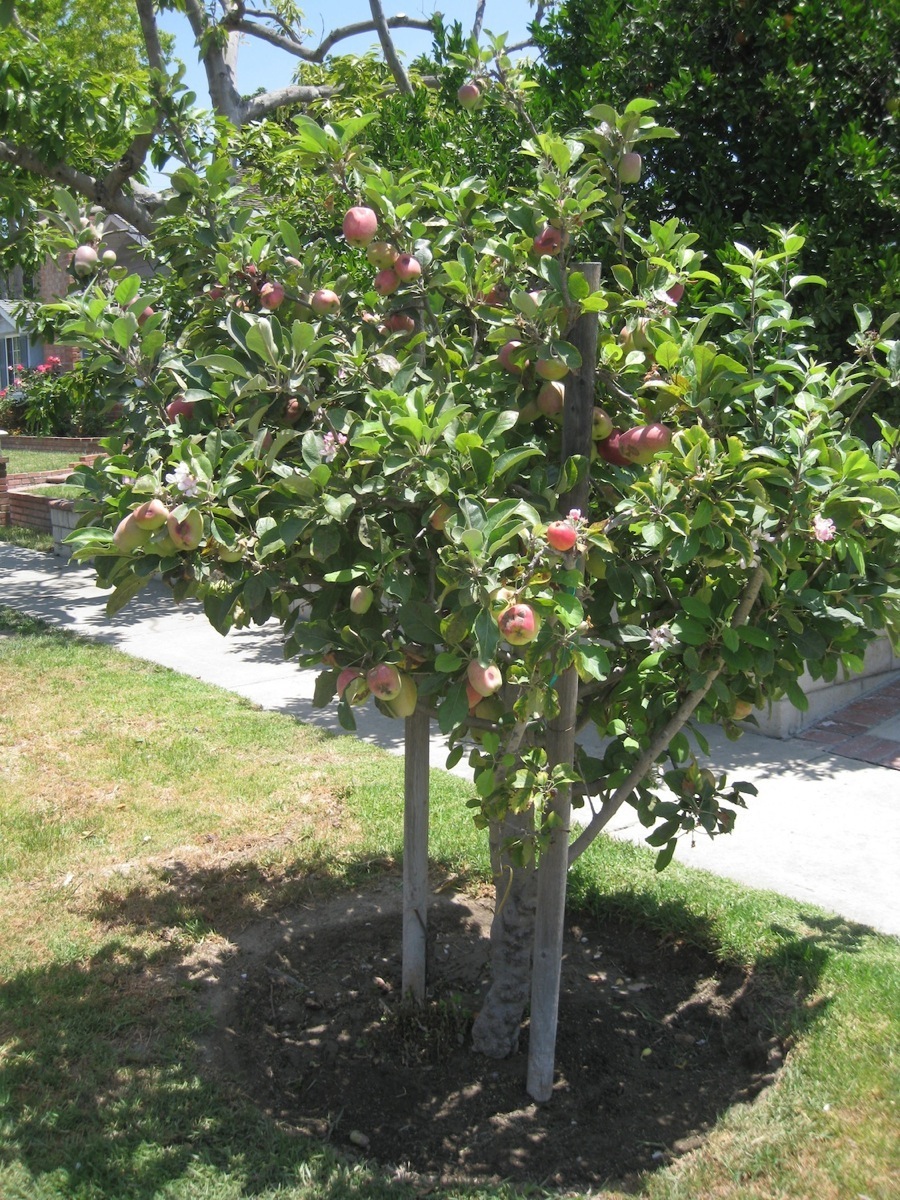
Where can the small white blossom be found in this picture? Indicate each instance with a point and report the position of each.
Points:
(661, 638)
(331, 444)
(824, 529)
(182, 479)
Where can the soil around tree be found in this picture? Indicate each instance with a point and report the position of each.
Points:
(656, 1040)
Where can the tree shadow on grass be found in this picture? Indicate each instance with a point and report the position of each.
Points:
(115, 1083)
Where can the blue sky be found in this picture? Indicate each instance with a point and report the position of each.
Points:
(263, 66)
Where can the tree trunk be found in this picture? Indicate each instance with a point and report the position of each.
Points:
(496, 1029)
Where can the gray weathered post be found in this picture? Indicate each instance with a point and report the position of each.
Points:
(415, 853)
(578, 415)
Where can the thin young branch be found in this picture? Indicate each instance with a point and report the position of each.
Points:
(391, 57)
(662, 739)
(479, 19)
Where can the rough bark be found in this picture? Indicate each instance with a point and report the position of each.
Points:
(495, 1032)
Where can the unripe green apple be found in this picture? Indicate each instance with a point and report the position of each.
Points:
(382, 254)
(630, 167)
(404, 704)
(129, 535)
(186, 529)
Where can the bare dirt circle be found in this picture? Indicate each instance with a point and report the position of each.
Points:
(655, 1041)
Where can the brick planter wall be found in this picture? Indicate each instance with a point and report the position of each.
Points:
(78, 445)
(28, 510)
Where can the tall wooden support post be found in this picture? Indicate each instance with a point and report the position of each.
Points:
(551, 900)
(415, 854)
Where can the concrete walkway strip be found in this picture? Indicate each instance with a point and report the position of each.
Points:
(824, 829)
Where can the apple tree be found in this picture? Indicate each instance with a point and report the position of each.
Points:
(541, 501)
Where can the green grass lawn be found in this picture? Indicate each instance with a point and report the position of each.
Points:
(25, 462)
(30, 539)
(105, 760)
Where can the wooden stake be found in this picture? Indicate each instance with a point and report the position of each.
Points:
(578, 415)
(415, 854)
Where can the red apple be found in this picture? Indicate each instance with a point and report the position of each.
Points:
(144, 317)
(484, 680)
(271, 295)
(474, 698)
(293, 410)
(360, 225)
(675, 292)
(352, 686)
(608, 449)
(519, 624)
(640, 444)
(561, 535)
(180, 407)
(407, 267)
(469, 95)
(630, 167)
(505, 356)
(386, 282)
(385, 681)
(398, 323)
(549, 241)
(325, 301)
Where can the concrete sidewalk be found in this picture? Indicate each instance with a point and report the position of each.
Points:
(824, 829)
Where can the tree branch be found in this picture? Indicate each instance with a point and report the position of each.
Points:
(150, 30)
(219, 60)
(388, 49)
(662, 739)
(258, 107)
(136, 209)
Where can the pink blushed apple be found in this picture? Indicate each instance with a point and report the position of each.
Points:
(152, 514)
(386, 282)
(352, 686)
(385, 682)
(469, 95)
(360, 225)
(324, 301)
(180, 406)
(186, 530)
(561, 536)
(271, 295)
(642, 443)
(519, 624)
(407, 267)
(549, 241)
(484, 680)
(505, 357)
(550, 400)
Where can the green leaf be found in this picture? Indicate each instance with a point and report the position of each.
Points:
(124, 592)
(454, 709)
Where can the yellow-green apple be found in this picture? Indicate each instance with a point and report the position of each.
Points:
(108, 258)
(185, 527)
(361, 599)
(404, 704)
(549, 367)
(630, 167)
(601, 424)
(490, 708)
(129, 535)
(152, 514)
(360, 225)
(84, 261)
(382, 254)
(484, 679)
(519, 624)
(438, 518)
(384, 681)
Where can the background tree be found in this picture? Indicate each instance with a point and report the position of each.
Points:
(788, 113)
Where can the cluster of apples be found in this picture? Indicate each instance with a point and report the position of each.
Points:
(393, 268)
(395, 689)
(153, 526)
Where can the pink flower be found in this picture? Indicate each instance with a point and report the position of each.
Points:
(52, 361)
(824, 529)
